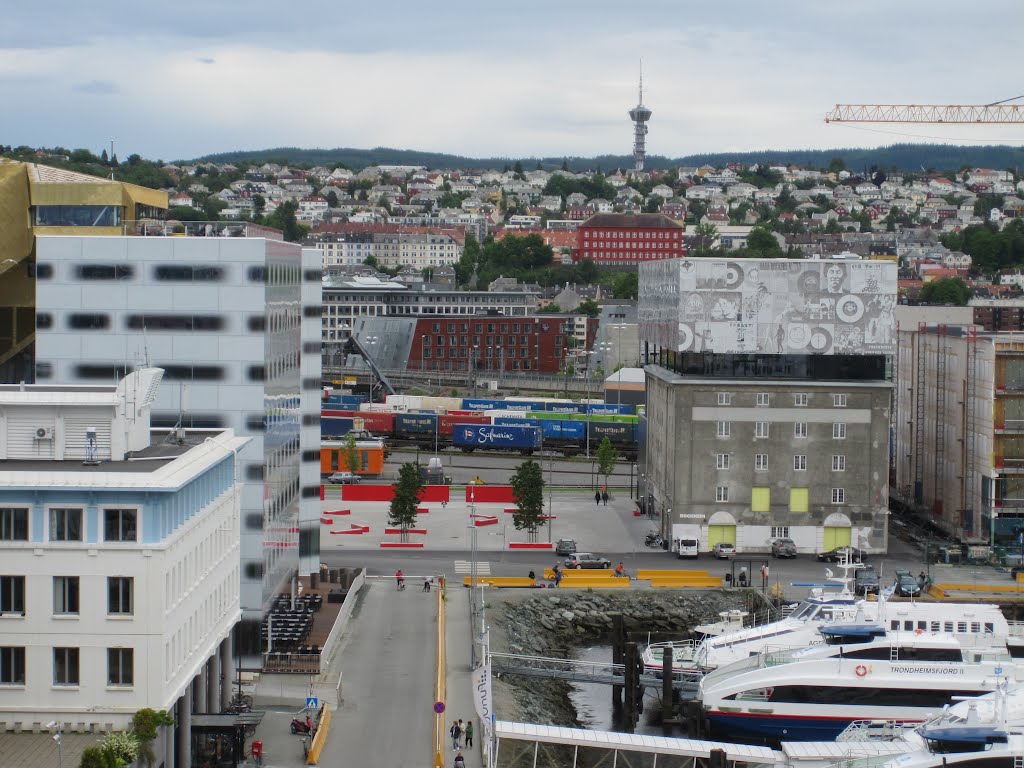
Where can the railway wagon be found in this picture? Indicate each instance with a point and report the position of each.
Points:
(524, 439)
(334, 457)
(378, 422)
(621, 436)
(566, 437)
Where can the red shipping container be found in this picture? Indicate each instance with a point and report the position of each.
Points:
(446, 422)
(378, 422)
(328, 413)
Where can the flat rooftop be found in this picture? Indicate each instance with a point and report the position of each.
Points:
(162, 449)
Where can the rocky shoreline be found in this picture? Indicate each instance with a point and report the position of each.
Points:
(545, 623)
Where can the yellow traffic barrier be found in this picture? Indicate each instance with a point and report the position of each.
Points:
(703, 582)
(316, 746)
(500, 581)
(679, 573)
(584, 583)
(576, 573)
(439, 684)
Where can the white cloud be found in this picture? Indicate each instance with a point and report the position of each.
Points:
(528, 80)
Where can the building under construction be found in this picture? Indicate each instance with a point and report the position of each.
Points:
(958, 430)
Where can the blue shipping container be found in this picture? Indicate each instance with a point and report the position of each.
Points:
(564, 430)
(496, 436)
(335, 426)
(612, 408)
(515, 421)
(475, 404)
(415, 423)
(566, 407)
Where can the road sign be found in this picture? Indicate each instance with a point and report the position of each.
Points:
(439, 707)
(312, 703)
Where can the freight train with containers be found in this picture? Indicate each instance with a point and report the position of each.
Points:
(469, 424)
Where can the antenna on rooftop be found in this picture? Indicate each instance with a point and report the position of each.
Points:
(90, 447)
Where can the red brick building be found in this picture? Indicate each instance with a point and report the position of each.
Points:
(620, 239)
(492, 342)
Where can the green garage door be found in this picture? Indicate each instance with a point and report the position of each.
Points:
(717, 533)
(836, 537)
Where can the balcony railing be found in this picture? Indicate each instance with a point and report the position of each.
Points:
(155, 228)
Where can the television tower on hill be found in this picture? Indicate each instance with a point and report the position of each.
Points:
(639, 115)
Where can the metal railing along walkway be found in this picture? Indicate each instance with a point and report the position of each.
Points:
(577, 671)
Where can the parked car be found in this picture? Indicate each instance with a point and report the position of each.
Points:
(783, 548)
(565, 547)
(907, 584)
(837, 554)
(865, 581)
(723, 550)
(344, 478)
(587, 560)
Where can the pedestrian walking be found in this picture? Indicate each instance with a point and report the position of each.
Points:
(604, 498)
(456, 734)
(469, 733)
(400, 579)
(557, 574)
(597, 498)
(922, 578)
(426, 584)
(460, 761)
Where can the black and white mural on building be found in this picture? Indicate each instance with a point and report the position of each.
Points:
(772, 306)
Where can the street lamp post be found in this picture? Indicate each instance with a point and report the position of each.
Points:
(474, 355)
(59, 738)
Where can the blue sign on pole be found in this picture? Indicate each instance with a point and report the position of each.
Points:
(312, 703)
(439, 707)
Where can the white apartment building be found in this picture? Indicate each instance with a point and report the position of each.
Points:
(120, 549)
(222, 316)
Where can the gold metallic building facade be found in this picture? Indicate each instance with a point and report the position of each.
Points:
(38, 199)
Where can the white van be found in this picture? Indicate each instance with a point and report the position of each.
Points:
(688, 548)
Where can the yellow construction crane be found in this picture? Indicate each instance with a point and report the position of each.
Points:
(997, 112)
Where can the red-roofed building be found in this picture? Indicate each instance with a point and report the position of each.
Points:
(618, 239)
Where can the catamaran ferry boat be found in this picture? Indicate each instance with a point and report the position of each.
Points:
(861, 672)
(709, 651)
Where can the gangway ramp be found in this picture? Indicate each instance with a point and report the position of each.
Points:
(527, 745)
(576, 671)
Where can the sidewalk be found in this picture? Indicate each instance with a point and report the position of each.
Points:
(459, 693)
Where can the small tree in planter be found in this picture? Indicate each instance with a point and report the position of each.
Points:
(528, 491)
(145, 724)
(402, 513)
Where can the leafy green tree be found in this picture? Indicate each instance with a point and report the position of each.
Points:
(259, 204)
(351, 453)
(528, 491)
(98, 757)
(549, 309)
(946, 290)
(123, 746)
(332, 199)
(144, 728)
(468, 260)
(284, 219)
(706, 234)
(589, 308)
(626, 285)
(606, 458)
(402, 513)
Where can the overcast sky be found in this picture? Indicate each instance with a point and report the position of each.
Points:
(175, 80)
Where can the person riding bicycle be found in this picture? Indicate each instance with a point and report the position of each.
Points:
(620, 570)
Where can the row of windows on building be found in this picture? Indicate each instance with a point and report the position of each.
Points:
(762, 429)
(173, 273)
(723, 461)
(116, 372)
(65, 524)
(629, 246)
(67, 595)
(800, 399)
(618, 234)
(101, 321)
(760, 498)
(489, 340)
(66, 663)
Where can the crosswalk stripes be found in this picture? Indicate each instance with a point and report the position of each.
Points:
(466, 567)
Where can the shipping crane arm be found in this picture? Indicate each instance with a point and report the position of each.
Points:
(999, 112)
